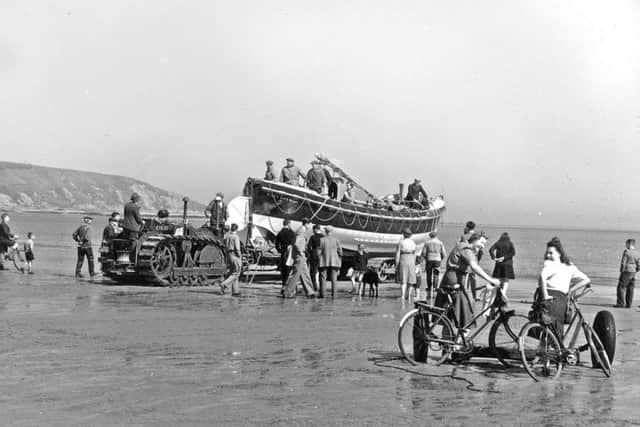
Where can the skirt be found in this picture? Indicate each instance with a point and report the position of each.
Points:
(407, 269)
(503, 271)
(557, 309)
(29, 256)
(462, 310)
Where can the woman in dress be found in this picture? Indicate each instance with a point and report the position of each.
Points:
(555, 281)
(406, 264)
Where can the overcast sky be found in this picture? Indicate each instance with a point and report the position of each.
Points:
(519, 112)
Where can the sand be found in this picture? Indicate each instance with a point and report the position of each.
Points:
(82, 353)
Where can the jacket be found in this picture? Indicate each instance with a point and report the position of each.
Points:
(630, 262)
(218, 213)
(434, 250)
(414, 190)
(330, 252)
(82, 236)
(132, 220)
(503, 248)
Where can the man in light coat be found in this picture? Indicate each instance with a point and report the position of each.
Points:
(300, 269)
(330, 261)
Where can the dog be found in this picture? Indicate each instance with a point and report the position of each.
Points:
(370, 277)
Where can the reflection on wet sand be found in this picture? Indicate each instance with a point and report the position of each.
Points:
(105, 354)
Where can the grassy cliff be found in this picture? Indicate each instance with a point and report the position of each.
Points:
(39, 188)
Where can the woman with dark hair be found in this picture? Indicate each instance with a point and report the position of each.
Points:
(502, 252)
(555, 280)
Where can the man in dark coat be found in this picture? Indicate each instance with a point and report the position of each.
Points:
(133, 222)
(284, 240)
(313, 249)
(330, 261)
(217, 213)
(316, 178)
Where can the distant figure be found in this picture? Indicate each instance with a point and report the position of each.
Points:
(502, 252)
(270, 172)
(290, 174)
(555, 282)
(82, 236)
(406, 264)
(462, 260)
(434, 253)
(113, 229)
(132, 220)
(348, 196)
(306, 224)
(360, 268)
(8, 241)
(234, 257)
(217, 213)
(629, 265)
(330, 261)
(313, 249)
(284, 240)
(316, 179)
(416, 193)
(28, 251)
(300, 270)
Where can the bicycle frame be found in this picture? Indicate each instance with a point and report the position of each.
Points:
(466, 340)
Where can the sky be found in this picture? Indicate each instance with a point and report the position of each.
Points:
(518, 112)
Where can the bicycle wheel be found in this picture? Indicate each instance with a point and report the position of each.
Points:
(503, 338)
(540, 352)
(599, 357)
(415, 334)
(15, 258)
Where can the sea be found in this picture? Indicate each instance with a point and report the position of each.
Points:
(596, 252)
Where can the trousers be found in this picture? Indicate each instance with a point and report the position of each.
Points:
(300, 274)
(333, 276)
(82, 253)
(626, 285)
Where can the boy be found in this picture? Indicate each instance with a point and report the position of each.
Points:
(28, 251)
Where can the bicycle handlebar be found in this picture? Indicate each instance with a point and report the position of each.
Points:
(580, 291)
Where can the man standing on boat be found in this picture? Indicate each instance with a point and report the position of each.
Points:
(270, 172)
(316, 179)
(291, 174)
(414, 191)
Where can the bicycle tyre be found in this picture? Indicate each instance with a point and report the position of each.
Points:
(15, 255)
(540, 352)
(605, 326)
(503, 339)
(437, 352)
(599, 357)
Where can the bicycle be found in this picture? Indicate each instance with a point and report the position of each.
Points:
(429, 330)
(543, 354)
(13, 254)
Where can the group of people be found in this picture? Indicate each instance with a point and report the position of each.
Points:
(319, 178)
(309, 261)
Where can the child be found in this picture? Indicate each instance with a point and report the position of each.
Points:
(28, 251)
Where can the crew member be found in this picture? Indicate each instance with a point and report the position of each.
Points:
(316, 179)
(234, 257)
(270, 173)
(291, 174)
(113, 229)
(414, 193)
(217, 213)
(284, 241)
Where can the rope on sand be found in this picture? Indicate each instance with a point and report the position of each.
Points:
(380, 362)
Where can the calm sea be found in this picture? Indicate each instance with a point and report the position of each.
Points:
(597, 253)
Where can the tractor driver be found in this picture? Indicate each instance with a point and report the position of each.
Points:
(217, 213)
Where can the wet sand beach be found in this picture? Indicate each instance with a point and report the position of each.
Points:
(82, 353)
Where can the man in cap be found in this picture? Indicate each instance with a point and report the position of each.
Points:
(291, 174)
(113, 229)
(82, 236)
(416, 193)
(217, 213)
(316, 179)
(133, 222)
(234, 257)
(270, 173)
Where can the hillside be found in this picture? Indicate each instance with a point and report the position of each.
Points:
(29, 187)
